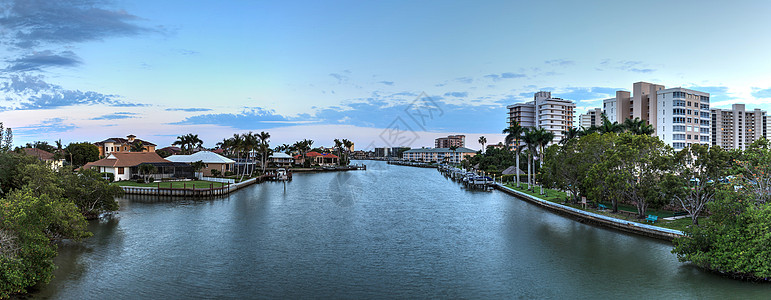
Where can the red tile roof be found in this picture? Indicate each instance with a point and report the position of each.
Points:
(40, 154)
(316, 154)
(126, 159)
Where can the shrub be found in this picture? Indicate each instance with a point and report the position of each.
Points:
(110, 176)
(229, 173)
(215, 172)
(151, 179)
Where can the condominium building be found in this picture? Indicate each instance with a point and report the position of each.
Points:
(609, 108)
(768, 127)
(449, 141)
(438, 154)
(737, 128)
(680, 117)
(593, 117)
(683, 117)
(552, 114)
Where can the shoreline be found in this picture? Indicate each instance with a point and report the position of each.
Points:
(596, 219)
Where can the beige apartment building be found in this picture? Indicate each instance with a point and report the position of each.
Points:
(552, 114)
(738, 128)
(679, 116)
(593, 117)
(450, 140)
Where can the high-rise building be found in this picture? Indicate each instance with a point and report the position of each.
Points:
(737, 128)
(683, 117)
(768, 127)
(679, 116)
(450, 140)
(593, 117)
(552, 114)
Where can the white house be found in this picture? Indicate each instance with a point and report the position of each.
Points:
(212, 161)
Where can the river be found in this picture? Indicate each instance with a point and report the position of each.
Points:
(387, 232)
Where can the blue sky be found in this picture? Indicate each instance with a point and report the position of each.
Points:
(88, 70)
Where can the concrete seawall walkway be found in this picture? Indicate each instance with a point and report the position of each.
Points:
(589, 217)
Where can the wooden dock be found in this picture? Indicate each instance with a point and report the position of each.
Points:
(192, 192)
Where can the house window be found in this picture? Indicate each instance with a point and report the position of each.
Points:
(120, 170)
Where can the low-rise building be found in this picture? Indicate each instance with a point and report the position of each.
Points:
(124, 165)
(280, 160)
(211, 160)
(438, 155)
(321, 159)
(593, 117)
(122, 145)
(46, 157)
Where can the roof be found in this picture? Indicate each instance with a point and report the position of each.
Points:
(126, 159)
(207, 157)
(316, 154)
(511, 170)
(123, 141)
(280, 155)
(39, 153)
(171, 148)
(440, 150)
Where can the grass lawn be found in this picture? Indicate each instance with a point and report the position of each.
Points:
(199, 184)
(559, 198)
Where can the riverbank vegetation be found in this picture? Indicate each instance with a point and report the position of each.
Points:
(38, 207)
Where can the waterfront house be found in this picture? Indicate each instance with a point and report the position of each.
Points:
(280, 160)
(438, 155)
(211, 160)
(122, 145)
(46, 157)
(321, 159)
(124, 165)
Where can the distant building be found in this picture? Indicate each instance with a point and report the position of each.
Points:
(737, 128)
(438, 154)
(281, 160)
(46, 157)
(321, 159)
(552, 114)
(593, 117)
(609, 109)
(122, 145)
(449, 141)
(382, 152)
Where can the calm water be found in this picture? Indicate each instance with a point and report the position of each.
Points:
(388, 232)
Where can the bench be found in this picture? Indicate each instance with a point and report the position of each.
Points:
(602, 206)
(651, 218)
(680, 213)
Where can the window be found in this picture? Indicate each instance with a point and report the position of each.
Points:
(704, 106)
(678, 146)
(120, 170)
(678, 111)
(704, 130)
(678, 94)
(704, 98)
(678, 128)
(678, 120)
(678, 103)
(705, 114)
(705, 138)
(678, 136)
(704, 122)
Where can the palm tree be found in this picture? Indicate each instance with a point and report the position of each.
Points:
(483, 140)
(608, 127)
(137, 147)
(453, 148)
(570, 134)
(514, 133)
(339, 148)
(638, 127)
(544, 138)
(264, 147)
(347, 151)
(531, 140)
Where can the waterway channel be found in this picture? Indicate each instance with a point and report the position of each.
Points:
(387, 232)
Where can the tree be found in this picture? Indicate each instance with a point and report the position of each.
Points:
(514, 134)
(531, 138)
(694, 181)
(639, 164)
(162, 153)
(608, 127)
(188, 142)
(453, 148)
(544, 138)
(198, 166)
(570, 134)
(146, 169)
(28, 226)
(137, 147)
(42, 145)
(90, 193)
(6, 139)
(482, 141)
(347, 151)
(82, 153)
(637, 126)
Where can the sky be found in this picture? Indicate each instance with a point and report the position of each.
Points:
(379, 73)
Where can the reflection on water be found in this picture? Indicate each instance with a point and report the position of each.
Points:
(390, 231)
